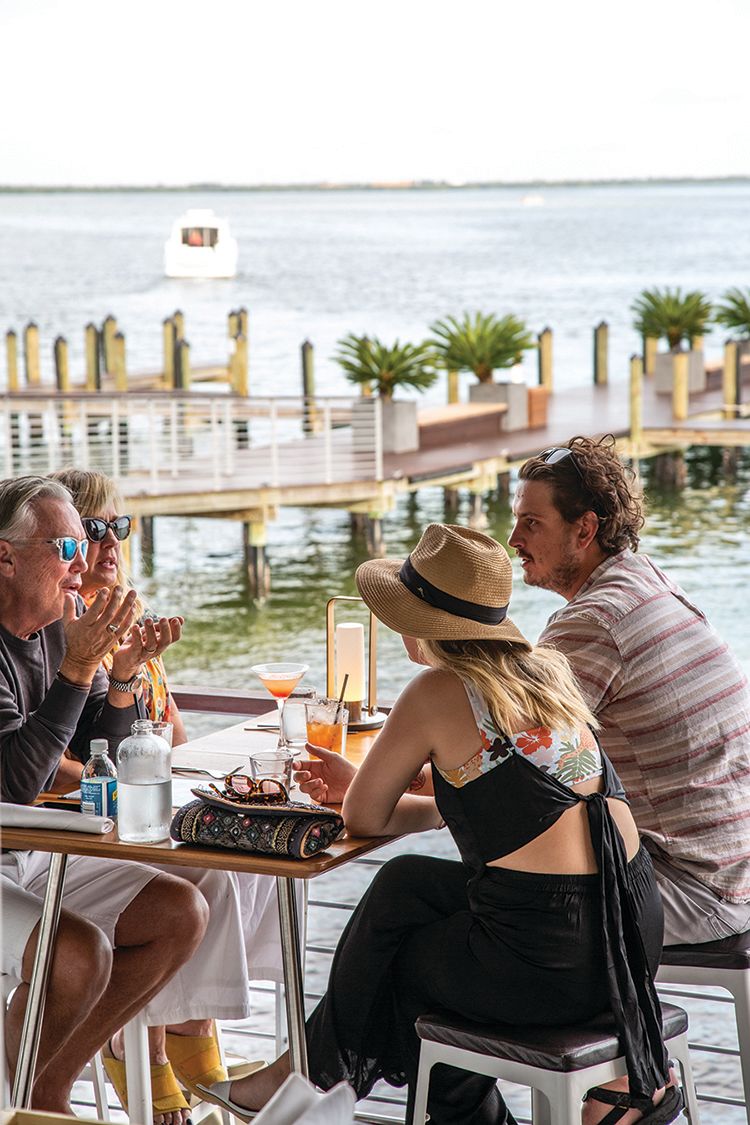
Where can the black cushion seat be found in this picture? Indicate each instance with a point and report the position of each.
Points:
(549, 1048)
(726, 953)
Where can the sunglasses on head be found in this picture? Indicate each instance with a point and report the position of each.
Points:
(240, 787)
(67, 546)
(96, 528)
(559, 453)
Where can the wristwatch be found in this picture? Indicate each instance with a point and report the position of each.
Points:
(125, 685)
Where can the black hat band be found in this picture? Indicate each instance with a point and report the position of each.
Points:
(421, 588)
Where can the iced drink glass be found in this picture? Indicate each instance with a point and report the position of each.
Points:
(326, 724)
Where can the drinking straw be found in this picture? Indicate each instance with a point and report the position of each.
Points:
(341, 698)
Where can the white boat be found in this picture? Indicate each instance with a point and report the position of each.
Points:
(200, 245)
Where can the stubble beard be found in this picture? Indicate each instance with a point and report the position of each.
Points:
(563, 578)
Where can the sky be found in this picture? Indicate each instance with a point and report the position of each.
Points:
(294, 91)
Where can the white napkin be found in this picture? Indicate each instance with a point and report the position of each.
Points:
(32, 816)
(297, 1102)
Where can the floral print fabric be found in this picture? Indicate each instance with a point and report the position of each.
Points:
(569, 756)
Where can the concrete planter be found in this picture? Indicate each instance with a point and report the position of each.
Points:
(663, 377)
(513, 393)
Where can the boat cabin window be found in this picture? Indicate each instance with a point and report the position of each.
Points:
(199, 236)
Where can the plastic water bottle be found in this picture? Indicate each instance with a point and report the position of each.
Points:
(99, 781)
(144, 770)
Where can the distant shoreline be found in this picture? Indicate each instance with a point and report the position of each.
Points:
(416, 185)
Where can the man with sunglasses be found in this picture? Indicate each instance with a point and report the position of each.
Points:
(126, 928)
(673, 703)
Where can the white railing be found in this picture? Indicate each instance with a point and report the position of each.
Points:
(206, 442)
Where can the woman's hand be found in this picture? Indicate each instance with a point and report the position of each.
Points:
(96, 632)
(325, 778)
(144, 642)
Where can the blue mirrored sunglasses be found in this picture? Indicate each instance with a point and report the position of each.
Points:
(67, 546)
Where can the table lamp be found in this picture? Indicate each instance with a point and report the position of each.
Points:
(345, 656)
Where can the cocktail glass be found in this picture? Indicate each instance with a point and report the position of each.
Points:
(280, 679)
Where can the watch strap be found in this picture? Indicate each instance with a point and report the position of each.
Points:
(126, 685)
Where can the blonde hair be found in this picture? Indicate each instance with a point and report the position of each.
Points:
(534, 687)
(92, 494)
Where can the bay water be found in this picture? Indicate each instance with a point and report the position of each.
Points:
(316, 265)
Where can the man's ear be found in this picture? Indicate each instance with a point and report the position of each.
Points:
(588, 527)
(7, 559)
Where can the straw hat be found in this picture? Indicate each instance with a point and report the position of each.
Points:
(455, 585)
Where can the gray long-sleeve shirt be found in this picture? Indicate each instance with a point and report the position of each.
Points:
(41, 715)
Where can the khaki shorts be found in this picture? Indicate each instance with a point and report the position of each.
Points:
(96, 889)
(693, 913)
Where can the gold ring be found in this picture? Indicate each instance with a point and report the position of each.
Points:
(112, 627)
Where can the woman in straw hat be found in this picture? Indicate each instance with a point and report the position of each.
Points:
(551, 917)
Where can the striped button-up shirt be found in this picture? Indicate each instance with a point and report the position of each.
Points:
(674, 706)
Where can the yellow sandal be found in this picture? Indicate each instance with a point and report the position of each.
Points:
(166, 1095)
(196, 1059)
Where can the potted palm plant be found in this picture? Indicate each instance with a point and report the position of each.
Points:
(733, 312)
(485, 343)
(369, 363)
(679, 318)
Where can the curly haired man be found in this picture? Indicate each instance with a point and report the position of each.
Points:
(673, 702)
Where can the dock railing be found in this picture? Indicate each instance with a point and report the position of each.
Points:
(156, 439)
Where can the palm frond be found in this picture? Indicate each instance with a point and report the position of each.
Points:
(367, 359)
(481, 342)
(670, 314)
(733, 311)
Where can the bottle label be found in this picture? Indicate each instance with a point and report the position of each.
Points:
(99, 796)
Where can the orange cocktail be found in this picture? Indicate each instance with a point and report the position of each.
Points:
(326, 724)
(280, 679)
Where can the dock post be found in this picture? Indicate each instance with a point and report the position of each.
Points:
(31, 354)
(502, 485)
(650, 348)
(91, 348)
(636, 404)
(256, 558)
(451, 498)
(146, 532)
(680, 399)
(243, 324)
(233, 324)
(374, 535)
(670, 470)
(601, 354)
(119, 357)
(109, 330)
(731, 380)
(545, 358)
(182, 365)
(11, 352)
(178, 319)
(240, 367)
(310, 420)
(62, 366)
(453, 389)
(357, 522)
(167, 351)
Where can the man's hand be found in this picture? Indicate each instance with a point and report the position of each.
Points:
(144, 642)
(96, 632)
(327, 779)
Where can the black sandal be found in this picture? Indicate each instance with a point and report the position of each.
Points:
(670, 1106)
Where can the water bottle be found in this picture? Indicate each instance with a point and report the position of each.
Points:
(144, 770)
(99, 781)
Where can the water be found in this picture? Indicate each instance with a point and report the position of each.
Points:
(145, 811)
(318, 265)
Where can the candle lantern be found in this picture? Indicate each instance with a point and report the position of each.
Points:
(345, 656)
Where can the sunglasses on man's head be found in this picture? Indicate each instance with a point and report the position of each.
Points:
(559, 453)
(67, 546)
(96, 528)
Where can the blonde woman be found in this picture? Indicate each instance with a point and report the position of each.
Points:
(102, 512)
(552, 915)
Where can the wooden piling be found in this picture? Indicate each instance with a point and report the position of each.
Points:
(178, 319)
(636, 403)
(545, 358)
(239, 366)
(680, 396)
(243, 321)
(233, 324)
(256, 558)
(601, 354)
(119, 360)
(374, 536)
(62, 366)
(451, 499)
(650, 348)
(31, 354)
(453, 386)
(11, 353)
(731, 380)
(91, 349)
(182, 365)
(109, 331)
(310, 419)
(167, 347)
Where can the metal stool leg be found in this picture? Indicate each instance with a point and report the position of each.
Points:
(138, 1071)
